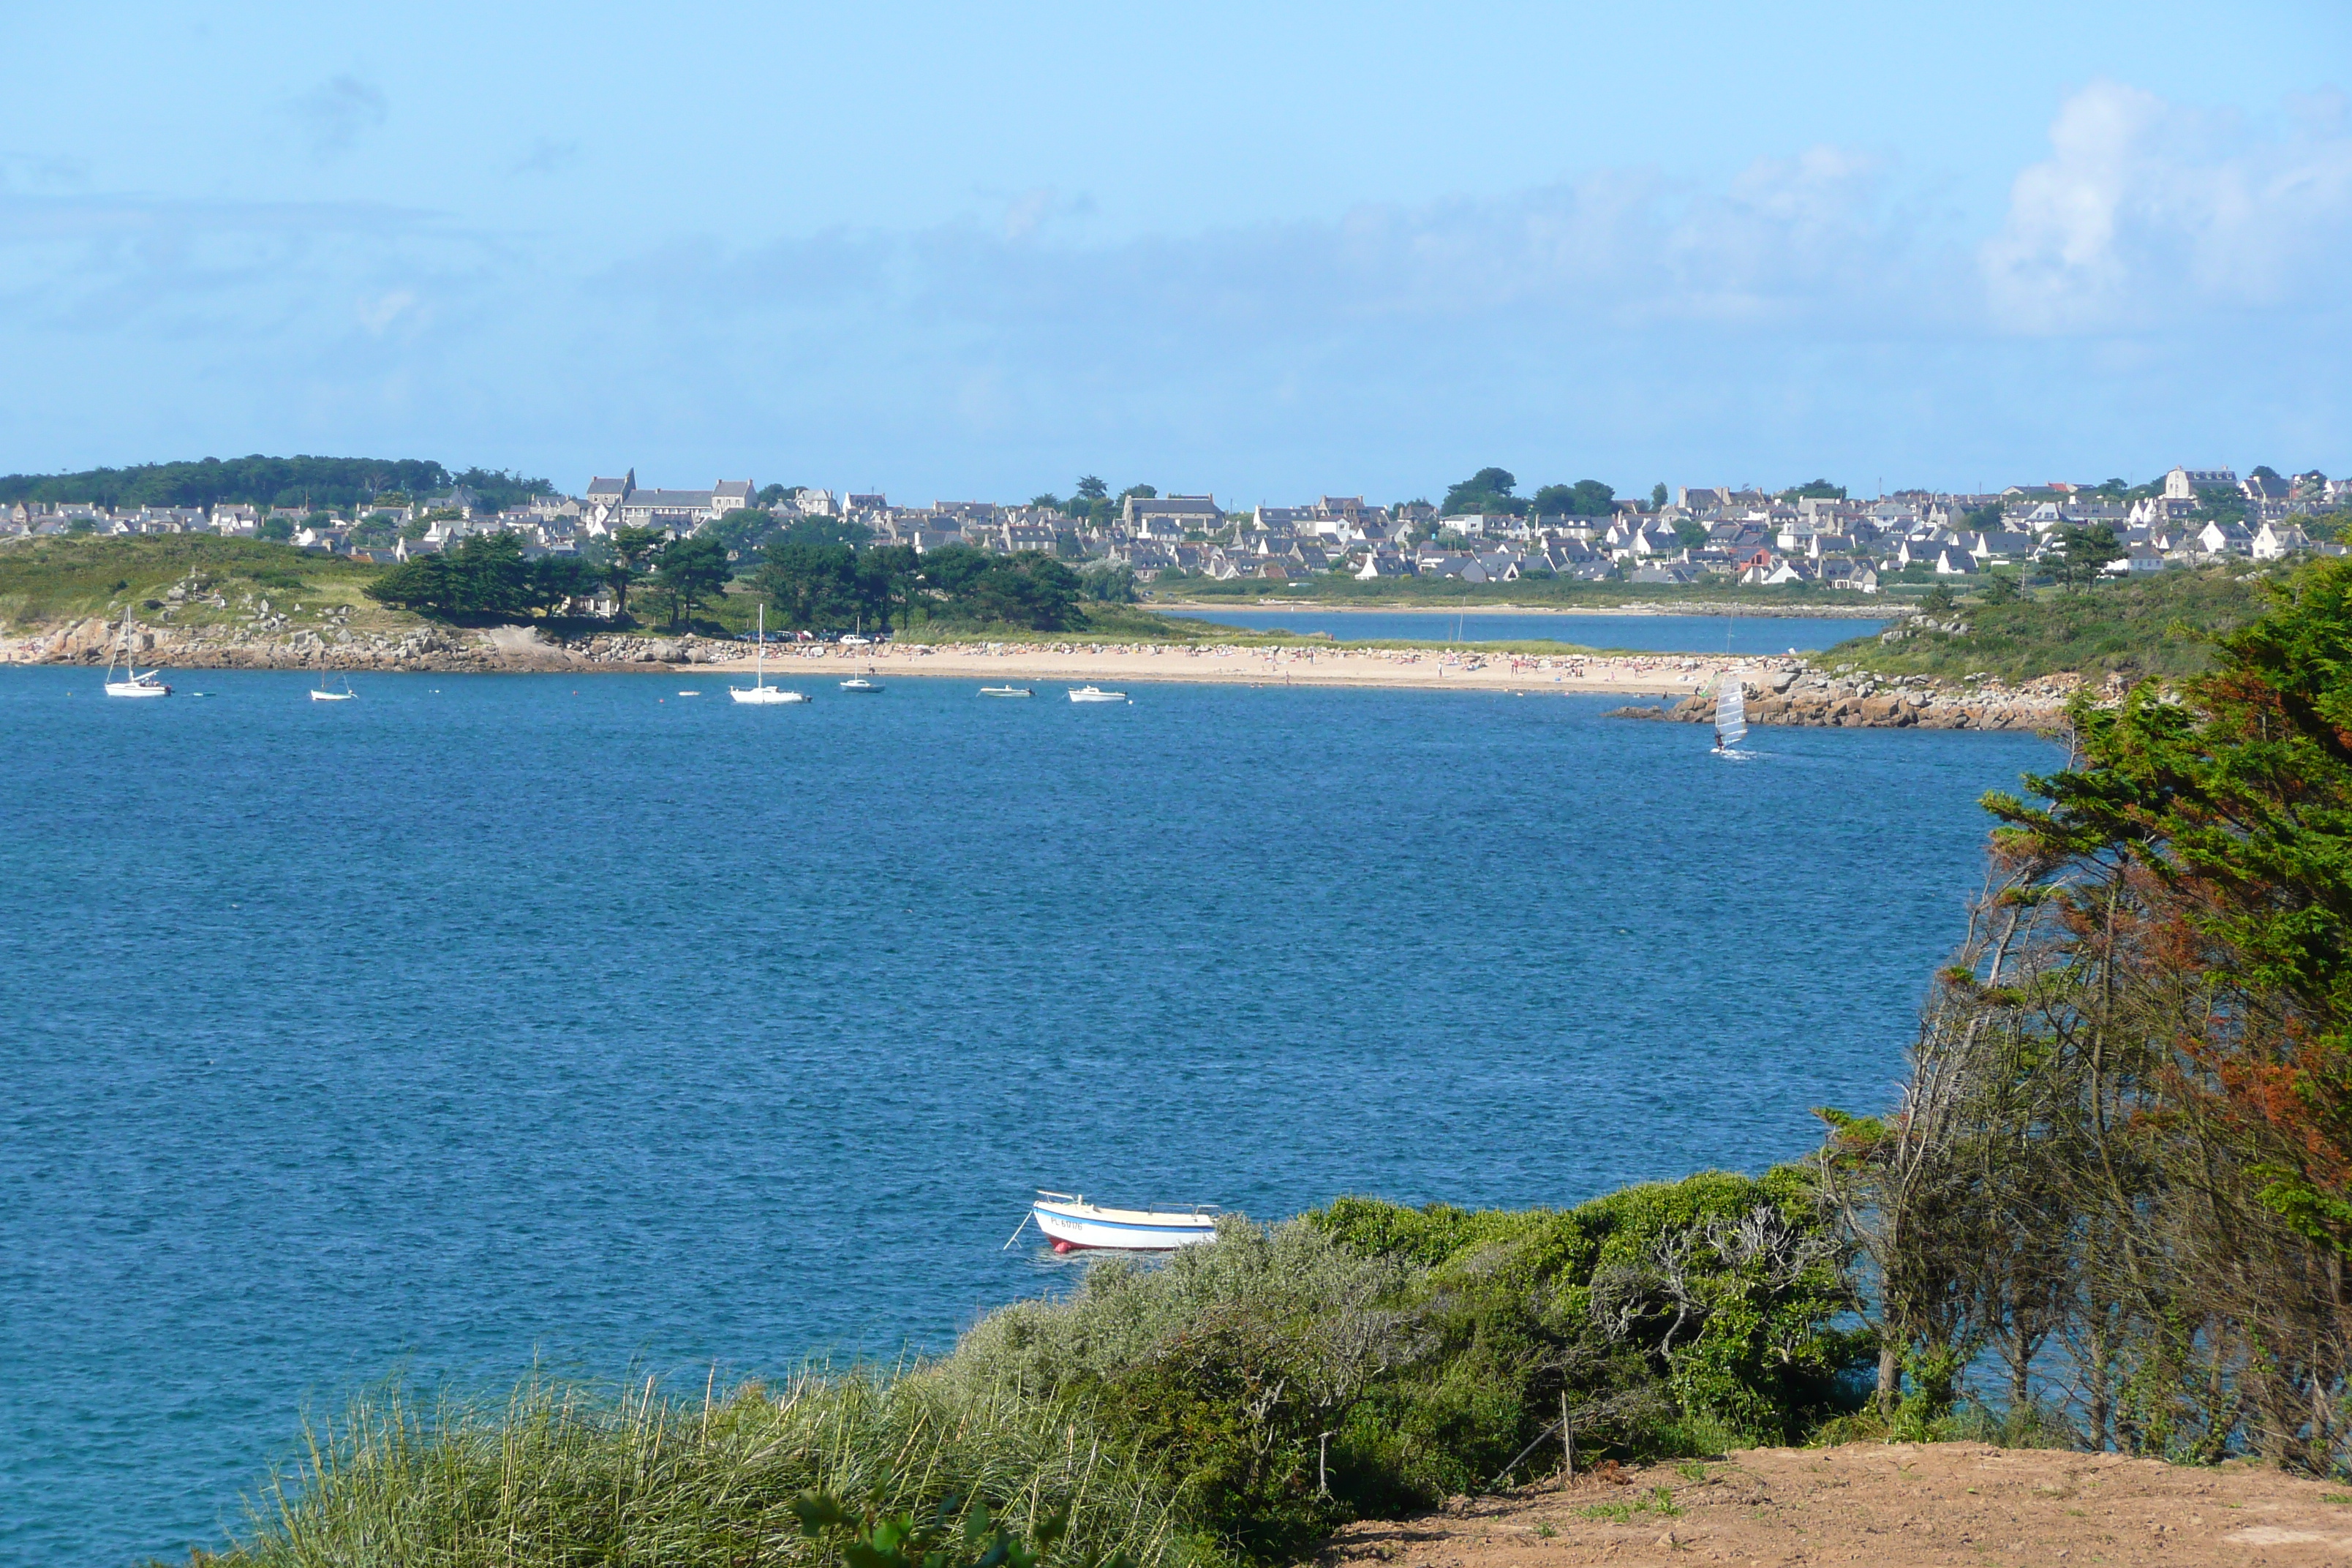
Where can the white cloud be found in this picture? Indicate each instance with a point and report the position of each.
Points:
(1819, 310)
(2149, 214)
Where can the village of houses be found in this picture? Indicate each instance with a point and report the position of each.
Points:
(1700, 534)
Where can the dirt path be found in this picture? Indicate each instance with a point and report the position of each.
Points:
(1896, 1504)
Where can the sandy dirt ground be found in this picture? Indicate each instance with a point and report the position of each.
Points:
(1112, 665)
(1896, 1504)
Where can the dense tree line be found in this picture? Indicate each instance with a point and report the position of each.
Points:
(485, 575)
(323, 484)
(829, 586)
(253, 481)
(2122, 1169)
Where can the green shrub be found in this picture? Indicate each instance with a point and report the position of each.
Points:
(1369, 1360)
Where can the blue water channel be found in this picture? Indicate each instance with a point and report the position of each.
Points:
(1751, 635)
(492, 1018)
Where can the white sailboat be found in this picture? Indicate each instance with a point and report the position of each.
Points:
(321, 692)
(1730, 713)
(760, 692)
(132, 683)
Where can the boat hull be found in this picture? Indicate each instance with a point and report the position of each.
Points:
(333, 696)
(137, 688)
(1088, 694)
(765, 696)
(1075, 1226)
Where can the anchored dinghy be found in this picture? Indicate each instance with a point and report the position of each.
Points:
(1071, 1223)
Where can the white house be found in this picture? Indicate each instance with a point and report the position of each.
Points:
(2184, 484)
(2276, 540)
(2218, 538)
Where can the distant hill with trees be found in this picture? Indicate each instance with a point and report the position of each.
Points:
(319, 482)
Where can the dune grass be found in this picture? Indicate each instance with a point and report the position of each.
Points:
(561, 1477)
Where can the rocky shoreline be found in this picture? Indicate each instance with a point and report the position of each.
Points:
(284, 646)
(1798, 694)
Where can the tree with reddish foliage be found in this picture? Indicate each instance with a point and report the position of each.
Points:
(2122, 1166)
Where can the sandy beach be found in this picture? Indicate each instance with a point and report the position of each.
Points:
(1112, 665)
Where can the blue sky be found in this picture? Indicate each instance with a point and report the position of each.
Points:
(955, 251)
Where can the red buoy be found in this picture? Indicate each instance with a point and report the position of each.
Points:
(1064, 1246)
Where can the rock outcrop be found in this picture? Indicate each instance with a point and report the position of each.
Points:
(1800, 695)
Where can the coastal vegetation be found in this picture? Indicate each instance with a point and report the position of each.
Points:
(1231, 1407)
(2162, 625)
(45, 580)
(486, 576)
(2122, 1169)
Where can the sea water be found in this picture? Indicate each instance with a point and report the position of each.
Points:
(492, 1019)
(1751, 635)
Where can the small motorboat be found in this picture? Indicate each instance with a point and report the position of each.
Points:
(1006, 691)
(1095, 694)
(1071, 1224)
(859, 683)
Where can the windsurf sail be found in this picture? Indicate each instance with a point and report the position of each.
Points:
(1730, 713)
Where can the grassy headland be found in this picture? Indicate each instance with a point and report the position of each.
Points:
(45, 580)
(2162, 626)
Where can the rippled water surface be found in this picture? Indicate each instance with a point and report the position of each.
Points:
(494, 1017)
(1752, 635)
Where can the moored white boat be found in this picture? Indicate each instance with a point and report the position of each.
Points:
(759, 694)
(1006, 691)
(859, 683)
(132, 683)
(324, 693)
(1071, 1223)
(1095, 694)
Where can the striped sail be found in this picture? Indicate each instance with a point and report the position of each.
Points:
(1730, 713)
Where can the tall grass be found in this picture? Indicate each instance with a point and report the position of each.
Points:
(558, 1475)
